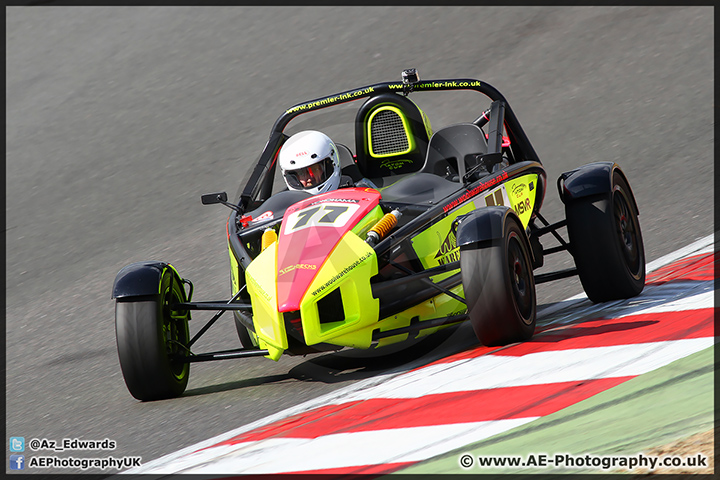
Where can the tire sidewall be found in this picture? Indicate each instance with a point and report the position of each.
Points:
(142, 351)
(596, 245)
(527, 322)
(492, 307)
(621, 187)
(177, 294)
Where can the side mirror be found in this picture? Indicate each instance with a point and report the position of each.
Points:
(490, 159)
(220, 197)
(212, 198)
(483, 165)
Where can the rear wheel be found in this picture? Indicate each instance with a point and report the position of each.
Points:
(607, 244)
(152, 340)
(500, 288)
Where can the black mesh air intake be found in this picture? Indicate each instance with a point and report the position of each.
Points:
(380, 132)
(388, 135)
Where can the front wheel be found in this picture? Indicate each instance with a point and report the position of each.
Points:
(500, 288)
(151, 342)
(243, 333)
(606, 242)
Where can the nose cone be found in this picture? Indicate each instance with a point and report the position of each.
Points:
(298, 263)
(310, 231)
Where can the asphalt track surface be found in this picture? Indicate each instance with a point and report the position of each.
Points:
(119, 118)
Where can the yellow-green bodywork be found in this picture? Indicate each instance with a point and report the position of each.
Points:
(351, 265)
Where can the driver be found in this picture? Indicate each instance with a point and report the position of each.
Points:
(309, 161)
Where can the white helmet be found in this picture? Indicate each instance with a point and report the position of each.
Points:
(309, 161)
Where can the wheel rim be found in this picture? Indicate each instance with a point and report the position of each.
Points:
(626, 229)
(175, 332)
(520, 280)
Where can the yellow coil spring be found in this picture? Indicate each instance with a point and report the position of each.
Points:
(386, 223)
(268, 237)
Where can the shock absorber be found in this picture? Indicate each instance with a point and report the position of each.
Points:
(268, 237)
(382, 227)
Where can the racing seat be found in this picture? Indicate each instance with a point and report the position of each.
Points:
(453, 150)
(391, 136)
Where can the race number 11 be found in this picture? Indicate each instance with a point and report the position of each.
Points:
(325, 215)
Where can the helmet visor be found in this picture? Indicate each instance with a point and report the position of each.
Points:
(310, 176)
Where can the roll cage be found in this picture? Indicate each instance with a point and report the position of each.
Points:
(259, 186)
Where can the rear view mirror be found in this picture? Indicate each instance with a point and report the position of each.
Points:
(220, 197)
(212, 198)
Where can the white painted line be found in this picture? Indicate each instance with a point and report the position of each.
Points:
(278, 455)
(333, 397)
(496, 371)
(703, 245)
(675, 295)
(702, 300)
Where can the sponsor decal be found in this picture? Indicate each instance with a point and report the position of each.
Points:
(342, 273)
(523, 206)
(495, 198)
(331, 100)
(471, 193)
(341, 200)
(449, 252)
(299, 266)
(519, 190)
(263, 216)
(259, 289)
(394, 164)
(431, 85)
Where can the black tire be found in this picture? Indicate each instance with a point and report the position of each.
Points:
(150, 338)
(606, 242)
(500, 288)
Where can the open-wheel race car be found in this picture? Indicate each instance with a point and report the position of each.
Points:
(425, 230)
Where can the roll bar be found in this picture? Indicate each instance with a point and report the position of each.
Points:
(260, 181)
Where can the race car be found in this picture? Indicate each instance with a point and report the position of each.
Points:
(429, 229)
